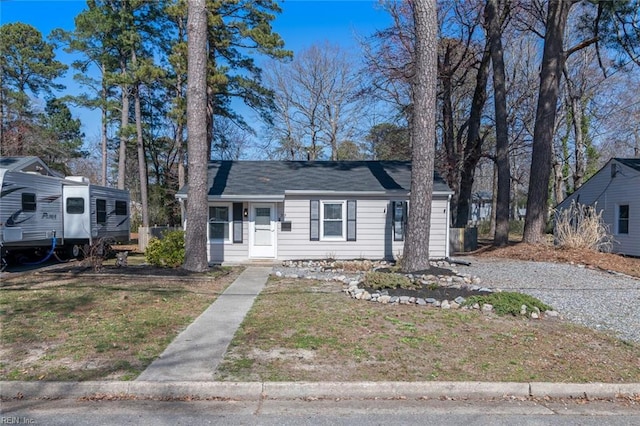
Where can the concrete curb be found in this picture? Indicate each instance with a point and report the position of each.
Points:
(294, 390)
(363, 390)
(590, 390)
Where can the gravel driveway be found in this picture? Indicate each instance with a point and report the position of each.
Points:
(593, 298)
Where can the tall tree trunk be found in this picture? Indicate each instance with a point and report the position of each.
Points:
(197, 211)
(423, 131)
(576, 113)
(2, 113)
(142, 158)
(494, 202)
(103, 132)
(453, 156)
(180, 144)
(552, 63)
(558, 180)
(501, 237)
(124, 124)
(473, 147)
(142, 162)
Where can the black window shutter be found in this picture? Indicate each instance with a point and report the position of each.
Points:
(237, 222)
(351, 220)
(314, 234)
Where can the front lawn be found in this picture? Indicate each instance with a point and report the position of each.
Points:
(301, 330)
(86, 326)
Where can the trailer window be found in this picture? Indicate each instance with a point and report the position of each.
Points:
(121, 208)
(28, 202)
(75, 205)
(101, 211)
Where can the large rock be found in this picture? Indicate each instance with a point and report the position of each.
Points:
(385, 298)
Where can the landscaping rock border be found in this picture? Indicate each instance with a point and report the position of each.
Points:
(351, 275)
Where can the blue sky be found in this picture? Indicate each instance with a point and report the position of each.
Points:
(301, 24)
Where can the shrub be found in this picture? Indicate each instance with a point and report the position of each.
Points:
(167, 251)
(382, 280)
(97, 253)
(508, 302)
(581, 226)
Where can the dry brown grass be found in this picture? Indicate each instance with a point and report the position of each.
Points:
(301, 330)
(96, 327)
(581, 227)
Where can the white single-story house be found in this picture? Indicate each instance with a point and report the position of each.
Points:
(615, 191)
(288, 210)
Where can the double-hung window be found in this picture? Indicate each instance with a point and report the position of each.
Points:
(333, 223)
(333, 220)
(623, 219)
(219, 219)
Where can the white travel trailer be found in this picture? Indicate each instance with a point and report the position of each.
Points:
(40, 210)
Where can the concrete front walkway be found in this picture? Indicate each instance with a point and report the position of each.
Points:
(195, 354)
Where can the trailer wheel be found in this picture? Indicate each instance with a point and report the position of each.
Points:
(76, 252)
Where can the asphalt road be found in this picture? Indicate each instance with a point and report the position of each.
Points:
(318, 412)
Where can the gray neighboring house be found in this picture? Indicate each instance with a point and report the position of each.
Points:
(28, 165)
(615, 190)
(314, 210)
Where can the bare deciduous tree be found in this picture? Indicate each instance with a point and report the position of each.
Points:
(496, 13)
(551, 70)
(316, 102)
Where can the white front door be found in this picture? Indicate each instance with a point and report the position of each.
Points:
(262, 230)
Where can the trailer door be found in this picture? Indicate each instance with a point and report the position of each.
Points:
(77, 212)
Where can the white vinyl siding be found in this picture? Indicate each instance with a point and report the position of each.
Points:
(225, 251)
(610, 193)
(374, 230)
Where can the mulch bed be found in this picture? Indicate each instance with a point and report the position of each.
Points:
(134, 270)
(428, 291)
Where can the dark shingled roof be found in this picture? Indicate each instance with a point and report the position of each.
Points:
(273, 178)
(634, 163)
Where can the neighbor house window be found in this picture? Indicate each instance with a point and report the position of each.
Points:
(219, 219)
(623, 219)
(28, 202)
(75, 205)
(101, 211)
